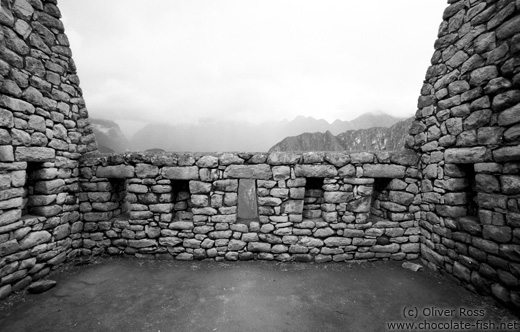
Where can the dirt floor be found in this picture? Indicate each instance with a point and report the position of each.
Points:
(138, 295)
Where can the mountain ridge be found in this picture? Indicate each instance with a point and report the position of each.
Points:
(109, 136)
(369, 139)
(210, 135)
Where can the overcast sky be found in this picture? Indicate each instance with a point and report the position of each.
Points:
(182, 61)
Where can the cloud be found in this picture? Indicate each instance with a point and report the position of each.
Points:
(181, 61)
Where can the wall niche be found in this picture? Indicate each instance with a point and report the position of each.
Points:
(118, 193)
(313, 198)
(30, 199)
(181, 199)
(379, 194)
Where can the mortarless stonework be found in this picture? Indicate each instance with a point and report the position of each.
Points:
(467, 130)
(44, 130)
(342, 220)
(454, 201)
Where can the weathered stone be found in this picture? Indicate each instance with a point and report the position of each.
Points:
(181, 225)
(401, 197)
(481, 76)
(510, 116)
(512, 134)
(451, 211)
(510, 251)
(198, 187)
(466, 155)
(509, 28)
(324, 232)
(359, 205)
(34, 154)
(292, 206)
(361, 158)
(227, 185)
(6, 153)
(9, 247)
(347, 171)
(505, 100)
(316, 171)
(207, 161)
(283, 158)
(501, 234)
(461, 272)
(384, 171)
(143, 243)
(406, 158)
(337, 241)
(115, 172)
(510, 184)
(260, 171)
(34, 238)
(258, 247)
(146, 171)
(507, 153)
(49, 187)
(229, 159)
(41, 286)
(169, 241)
(477, 119)
(470, 225)
(389, 248)
(336, 158)
(336, 197)
(281, 173)
(181, 172)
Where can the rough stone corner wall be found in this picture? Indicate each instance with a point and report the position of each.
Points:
(467, 129)
(44, 129)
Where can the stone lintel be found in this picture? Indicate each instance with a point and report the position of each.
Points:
(315, 171)
(465, 155)
(34, 154)
(259, 172)
(118, 172)
(384, 171)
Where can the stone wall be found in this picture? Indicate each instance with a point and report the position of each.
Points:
(44, 130)
(456, 203)
(187, 206)
(467, 130)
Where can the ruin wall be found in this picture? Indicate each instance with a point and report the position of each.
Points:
(311, 207)
(467, 130)
(455, 203)
(44, 129)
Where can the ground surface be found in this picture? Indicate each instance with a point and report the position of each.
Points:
(138, 295)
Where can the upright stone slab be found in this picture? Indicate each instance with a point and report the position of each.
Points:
(247, 201)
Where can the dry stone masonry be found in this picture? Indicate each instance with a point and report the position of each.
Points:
(467, 130)
(186, 206)
(44, 130)
(452, 199)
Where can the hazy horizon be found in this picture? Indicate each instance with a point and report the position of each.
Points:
(182, 61)
(129, 127)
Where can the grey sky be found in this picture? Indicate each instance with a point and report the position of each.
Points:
(182, 61)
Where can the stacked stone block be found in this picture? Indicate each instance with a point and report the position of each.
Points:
(43, 131)
(456, 203)
(467, 131)
(199, 219)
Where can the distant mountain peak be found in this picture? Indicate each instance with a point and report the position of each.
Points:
(109, 136)
(212, 136)
(368, 139)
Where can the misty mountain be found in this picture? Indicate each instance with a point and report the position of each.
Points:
(211, 136)
(370, 139)
(109, 136)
